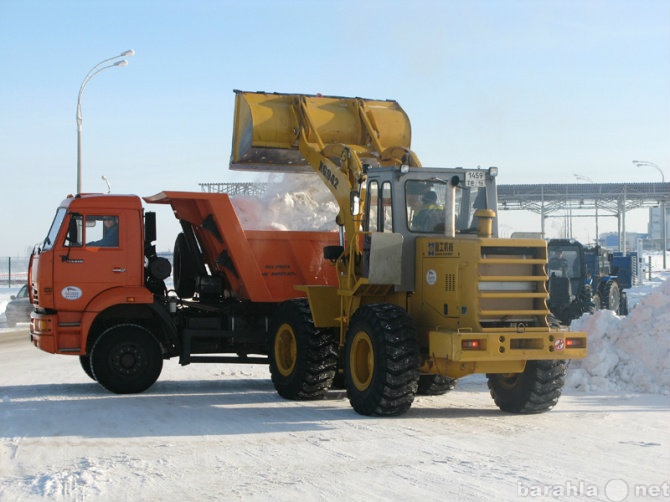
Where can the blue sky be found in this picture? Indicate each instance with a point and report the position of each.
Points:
(542, 89)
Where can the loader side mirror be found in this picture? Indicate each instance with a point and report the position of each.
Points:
(355, 203)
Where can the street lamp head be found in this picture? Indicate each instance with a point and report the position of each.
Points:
(128, 53)
(123, 62)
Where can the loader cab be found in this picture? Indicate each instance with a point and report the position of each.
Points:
(415, 202)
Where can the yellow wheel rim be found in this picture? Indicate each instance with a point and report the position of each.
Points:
(362, 359)
(286, 350)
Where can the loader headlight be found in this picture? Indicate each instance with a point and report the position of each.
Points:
(493, 171)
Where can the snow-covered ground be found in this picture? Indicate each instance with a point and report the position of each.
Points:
(220, 432)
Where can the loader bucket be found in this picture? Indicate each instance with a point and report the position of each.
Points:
(267, 126)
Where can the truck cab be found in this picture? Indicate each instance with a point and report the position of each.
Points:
(93, 252)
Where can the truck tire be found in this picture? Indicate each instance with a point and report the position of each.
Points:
(303, 359)
(126, 359)
(435, 385)
(381, 360)
(611, 296)
(85, 362)
(184, 270)
(535, 390)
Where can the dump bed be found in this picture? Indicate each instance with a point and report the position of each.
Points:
(257, 265)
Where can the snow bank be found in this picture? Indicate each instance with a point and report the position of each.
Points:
(626, 353)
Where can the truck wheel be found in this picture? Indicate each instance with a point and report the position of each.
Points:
(85, 362)
(184, 272)
(381, 360)
(126, 359)
(435, 385)
(303, 359)
(535, 390)
(611, 296)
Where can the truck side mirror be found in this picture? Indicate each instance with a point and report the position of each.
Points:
(73, 231)
(149, 226)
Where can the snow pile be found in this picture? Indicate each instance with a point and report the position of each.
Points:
(293, 202)
(626, 353)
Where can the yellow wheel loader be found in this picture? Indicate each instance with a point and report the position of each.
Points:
(427, 292)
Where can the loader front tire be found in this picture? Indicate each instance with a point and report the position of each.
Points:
(381, 360)
(126, 359)
(536, 390)
(303, 359)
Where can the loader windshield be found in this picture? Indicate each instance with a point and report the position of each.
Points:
(425, 200)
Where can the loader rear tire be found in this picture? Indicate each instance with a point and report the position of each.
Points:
(303, 359)
(381, 360)
(126, 359)
(535, 390)
(435, 385)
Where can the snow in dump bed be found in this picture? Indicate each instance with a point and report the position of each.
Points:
(629, 353)
(291, 202)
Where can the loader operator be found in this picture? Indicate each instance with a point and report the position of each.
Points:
(430, 217)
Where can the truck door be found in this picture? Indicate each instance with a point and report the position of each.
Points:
(101, 250)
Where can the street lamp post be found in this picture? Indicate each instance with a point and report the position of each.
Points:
(92, 73)
(639, 163)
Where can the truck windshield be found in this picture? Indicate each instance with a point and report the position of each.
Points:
(425, 201)
(55, 227)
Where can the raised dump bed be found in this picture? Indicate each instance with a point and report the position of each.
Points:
(257, 265)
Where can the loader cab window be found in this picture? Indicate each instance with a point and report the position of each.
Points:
(425, 202)
(379, 208)
(425, 206)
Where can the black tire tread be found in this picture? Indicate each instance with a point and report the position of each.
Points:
(316, 358)
(536, 390)
(104, 372)
(435, 385)
(394, 385)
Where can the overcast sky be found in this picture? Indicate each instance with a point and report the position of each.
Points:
(542, 89)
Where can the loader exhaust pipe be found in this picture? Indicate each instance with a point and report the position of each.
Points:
(450, 208)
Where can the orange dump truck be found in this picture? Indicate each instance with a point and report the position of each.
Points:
(107, 302)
